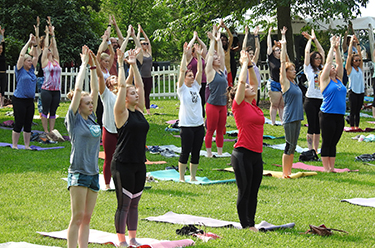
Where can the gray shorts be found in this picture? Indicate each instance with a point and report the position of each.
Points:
(292, 130)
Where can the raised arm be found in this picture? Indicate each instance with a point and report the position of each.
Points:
(99, 73)
(283, 37)
(285, 84)
(240, 93)
(74, 105)
(210, 72)
(257, 45)
(118, 31)
(198, 75)
(126, 40)
(230, 36)
(307, 48)
(147, 39)
(359, 52)
(269, 42)
(338, 58)
(244, 42)
(220, 49)
(318, 46)
(93, 80)
(344, 42)
(120, 111)
(324, 77)
(204, 47)
(105, 40)
(53, 46)
(36, 28)
(138, 82)
(348, 65)
(46, 48)
(181, 77)
(21, 57)
(189, 55)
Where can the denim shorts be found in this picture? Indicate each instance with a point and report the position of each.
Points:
(273, 86)
(78, 179)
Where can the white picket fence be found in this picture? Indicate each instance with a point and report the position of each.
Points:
(164, 81)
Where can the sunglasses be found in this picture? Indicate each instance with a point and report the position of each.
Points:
(318, 58)
(277, 50)
(357, 60)
(146, 44)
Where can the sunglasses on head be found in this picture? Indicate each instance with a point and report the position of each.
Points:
(145, 43)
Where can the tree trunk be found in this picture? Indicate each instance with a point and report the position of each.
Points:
(284, 19)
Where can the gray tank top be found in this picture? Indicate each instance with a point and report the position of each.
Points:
(218, 90)
(146, 67)
(293, 110)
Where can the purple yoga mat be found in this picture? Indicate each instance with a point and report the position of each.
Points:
(34, 148)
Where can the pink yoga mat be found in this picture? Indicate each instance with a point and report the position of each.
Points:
(367, 129)
(303, 166)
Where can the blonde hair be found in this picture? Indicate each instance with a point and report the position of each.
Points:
(104, 56)
(70, 94)
(27, 56)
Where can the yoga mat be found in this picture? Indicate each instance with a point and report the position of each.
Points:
(277, 174)
(34, 148)
(202, 152)
(173, 175)
(37, 117)
(367, 129)
(171, 122)
(268, 121)
(101, 183)
(365, 202)
(101, 237)
(185, 219)
(24, 245)
(361, 114)
(213, 139)
(303, 166)
(102, 156)
(282, 147)
(272, 137)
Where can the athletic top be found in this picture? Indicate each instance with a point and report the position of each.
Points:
(354, 50)
(218, 90)
(190, 114)
(52, 74)
(26, 83)
(108, 99)
(227, 60)
(3, 65)
(249, 121)
(334, 98)
(293, 110)
(146, 67)
(106, 75)
(85, 139)
(131, 142)
(193, 65)
(274, 65)
(356, 81)
(257, 74)
(313, 89)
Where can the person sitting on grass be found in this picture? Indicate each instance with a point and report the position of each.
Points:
(190, 114)
(247, 153)
(83, 172)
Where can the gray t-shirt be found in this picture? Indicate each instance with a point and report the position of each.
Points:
(85, 140)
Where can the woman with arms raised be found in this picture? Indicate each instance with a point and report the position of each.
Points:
(333, 106)
(247, 153)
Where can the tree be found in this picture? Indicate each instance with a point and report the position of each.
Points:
(74, 25)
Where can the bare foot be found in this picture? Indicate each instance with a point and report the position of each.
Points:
(15, 147)
(193, 179)
(253, 228)
(28, 148)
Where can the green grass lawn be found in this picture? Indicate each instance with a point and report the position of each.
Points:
(34, 198)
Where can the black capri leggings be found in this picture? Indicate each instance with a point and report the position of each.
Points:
(312, 109)
(50, 102)
(3, 83)
(356, 102)
(332, 126)
(147, 85)
(248, 169)
(23, 109)
(191, 142)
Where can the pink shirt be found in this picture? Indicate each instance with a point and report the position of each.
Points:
(52, 75)
(250, 121)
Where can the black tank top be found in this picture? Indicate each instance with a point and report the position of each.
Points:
(131, 142)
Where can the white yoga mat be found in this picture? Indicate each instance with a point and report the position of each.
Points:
(365, 202)
(101, 237)
(24, 245)
(202, 152)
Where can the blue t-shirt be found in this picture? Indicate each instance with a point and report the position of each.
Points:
(85, 140)
(293, 110)
(26, 83)
(334, 98)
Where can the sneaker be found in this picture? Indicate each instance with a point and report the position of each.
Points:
(168, 153)
(154, 150)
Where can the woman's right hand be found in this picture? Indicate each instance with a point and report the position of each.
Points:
(85, 54)
(244, 59)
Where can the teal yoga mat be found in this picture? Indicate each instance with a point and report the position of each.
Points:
(173, 175)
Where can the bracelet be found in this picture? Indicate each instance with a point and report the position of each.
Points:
(109, 42)
(256, 36)
(92, 67)
(109, 25)
(35, 45)
(52, 36)
(249, 66)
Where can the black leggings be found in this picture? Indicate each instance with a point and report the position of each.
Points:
(191, 142)
(50, 102)
(248, 169)
(147, 85)
(129, 180)
(356, 102)
(312, 109)
(3, 83)
(23, 109)
(202, 93)
(332, 127)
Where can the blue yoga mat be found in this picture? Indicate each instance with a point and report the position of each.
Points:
(173, 175)
(35, 148)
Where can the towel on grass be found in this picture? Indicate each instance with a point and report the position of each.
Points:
(365, 202)
(173, 175)
(367, 129)
(361, 114)
(185, 219)
(277, 174)
(23, 245)
(268, 121)
(34, 148)
(101, 183)
(102, 156)
(101, 237)
(303, 166)
(282, 147)
(202, 152)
